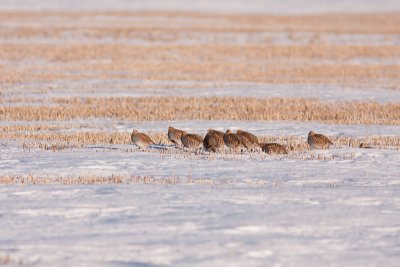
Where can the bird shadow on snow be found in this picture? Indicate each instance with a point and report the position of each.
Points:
(156, 146)
(103, 147)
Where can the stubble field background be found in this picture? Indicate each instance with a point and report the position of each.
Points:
(75, 82)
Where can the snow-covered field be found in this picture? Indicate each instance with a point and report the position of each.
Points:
(123, 88)
(111, 204)
(238, 210)
(361, 166)
(339, 207)
(300, 129)
(201, 225)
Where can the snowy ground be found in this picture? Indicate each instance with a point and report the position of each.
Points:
(201, 225)
(338, 207)
(196, 38)
(300, 129)
(224, 6)
(123, 88)
(341, 209)
(361, 166)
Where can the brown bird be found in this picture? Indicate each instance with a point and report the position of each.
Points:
(249, 140)
(141, 139)
(318, 141)
(191, 140)
(363, 145)
(175, 135)
(214, 140)
(232, 140)
(273, 148)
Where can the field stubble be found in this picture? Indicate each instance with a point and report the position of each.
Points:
(213, 108)
(197, 47)
(205, 49)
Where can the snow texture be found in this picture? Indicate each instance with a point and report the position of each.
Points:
(289, 224)
(220, 6)
(340, 209)
(123, 88)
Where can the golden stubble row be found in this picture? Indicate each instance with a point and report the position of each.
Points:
(128, 22)
(239, 69)
(213, 108)
(353, 75)
(54, 58)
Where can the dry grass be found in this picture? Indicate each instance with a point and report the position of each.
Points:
(30, 180)
(119, 54)
(59, 58)
(218, 63)
(147, 46)
(299, 144)
(115, 179)
(127, 23)
(226, 108)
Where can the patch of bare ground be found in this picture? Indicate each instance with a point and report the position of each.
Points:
(213, 108)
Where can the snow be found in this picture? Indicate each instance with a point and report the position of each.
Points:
(200, 225)
(341, 209)
(220, 6)
(193, 37)
(123, 88)
(338, 207)
(261, 127)
(335, 207)
(271, 128)
(336, 166)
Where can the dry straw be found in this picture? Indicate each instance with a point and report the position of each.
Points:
(201, 22)
(267, 64)
(225, 108)
(112, 179)
(51, 51)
